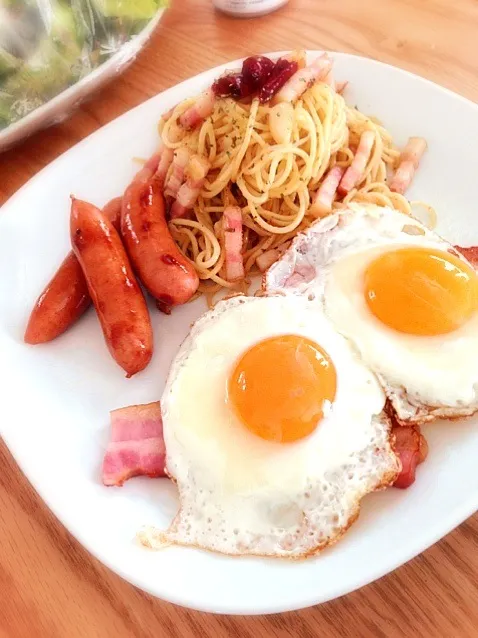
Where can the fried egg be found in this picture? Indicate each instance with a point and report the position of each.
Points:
(406, 299)
(274, 431)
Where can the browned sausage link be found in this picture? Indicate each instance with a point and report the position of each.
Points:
(159, 263)
(65, 298)
(116, 295)
(63, 301)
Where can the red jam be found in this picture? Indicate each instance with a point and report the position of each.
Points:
(259, 76)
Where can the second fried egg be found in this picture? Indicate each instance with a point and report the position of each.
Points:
(405, 298)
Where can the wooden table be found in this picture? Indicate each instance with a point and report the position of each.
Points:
(50, 586)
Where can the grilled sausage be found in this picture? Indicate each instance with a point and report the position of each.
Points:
(66, 297)
(115, 293)
(163, 269)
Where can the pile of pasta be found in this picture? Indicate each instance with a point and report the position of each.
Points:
(271, 160)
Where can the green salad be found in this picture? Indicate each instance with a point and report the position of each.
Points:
(48, 45)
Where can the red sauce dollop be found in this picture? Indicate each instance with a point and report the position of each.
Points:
(259, 76)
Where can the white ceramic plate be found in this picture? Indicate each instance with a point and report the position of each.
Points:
(56, 398)
(59, 107)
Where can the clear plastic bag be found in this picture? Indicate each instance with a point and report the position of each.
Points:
(55, 52)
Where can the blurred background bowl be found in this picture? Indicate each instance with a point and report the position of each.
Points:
(60, 107)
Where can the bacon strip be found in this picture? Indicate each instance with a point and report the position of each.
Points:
(176, 175)
(354, 172)
(303, 79)
(232, 228)
(199, 111)
(196, 172)
(409, 161)
(412, 449)
(137, 446)
(165, 160)
(324, 197)
(470, 253)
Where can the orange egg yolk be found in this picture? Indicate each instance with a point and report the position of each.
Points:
(421, 291)
(279, 386)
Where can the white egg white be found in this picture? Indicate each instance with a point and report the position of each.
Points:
(424, 377)
(240, 494)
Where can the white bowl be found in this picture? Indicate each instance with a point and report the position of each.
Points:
(60, 107)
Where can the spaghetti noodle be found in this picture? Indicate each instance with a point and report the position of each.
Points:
(271, 168)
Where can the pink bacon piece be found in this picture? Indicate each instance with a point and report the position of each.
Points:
(199, 111)
(165, 160)
(324, 197)
(176, 176)
(232, 228)
(188, 193)
(411, 448)
(354, 172)
(409, 161)
(303, 79)
(137, 446)
(470, 253)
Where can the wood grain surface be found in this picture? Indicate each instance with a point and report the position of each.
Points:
(50, 586)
